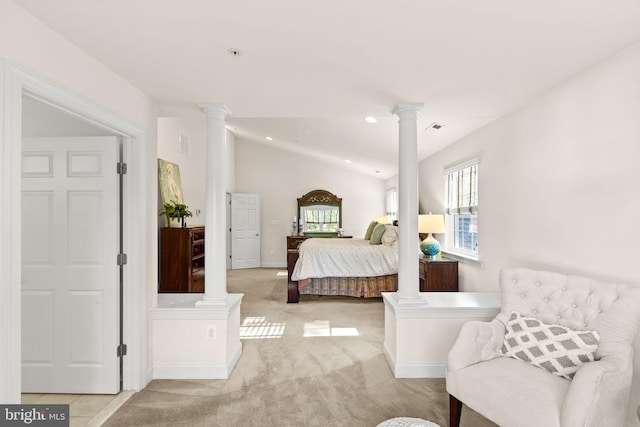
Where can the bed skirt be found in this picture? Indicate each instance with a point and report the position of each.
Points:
(366, 287)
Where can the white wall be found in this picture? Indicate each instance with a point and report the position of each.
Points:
(192, 165)
(24, 40)
(558, 183)
(280, 177)
(557, 179)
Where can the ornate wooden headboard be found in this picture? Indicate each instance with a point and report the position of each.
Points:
(321, 197)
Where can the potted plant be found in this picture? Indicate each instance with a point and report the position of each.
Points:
(175, 210)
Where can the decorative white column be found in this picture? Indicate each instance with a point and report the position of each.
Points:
(408, 277)
(215, 271)
(203, 341)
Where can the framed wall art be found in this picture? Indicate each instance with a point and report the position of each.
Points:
(170, 182)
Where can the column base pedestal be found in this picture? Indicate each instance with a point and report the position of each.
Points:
(212, 302)
(195, 338)
(418, 337)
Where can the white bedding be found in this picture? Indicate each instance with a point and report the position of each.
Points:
(326, 257)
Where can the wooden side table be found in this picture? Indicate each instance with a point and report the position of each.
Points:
(438, 275)
(293, 294)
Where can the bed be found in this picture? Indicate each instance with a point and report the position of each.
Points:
(346, 267)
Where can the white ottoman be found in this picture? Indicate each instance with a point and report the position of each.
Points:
(407, 422)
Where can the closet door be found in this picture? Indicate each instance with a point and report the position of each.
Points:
(245, 230)
(70, 282)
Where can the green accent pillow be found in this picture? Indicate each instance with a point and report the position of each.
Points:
(367, 235)
(376, 234)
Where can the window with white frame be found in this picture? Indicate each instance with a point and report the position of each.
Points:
(391, 204)
(461, 219)
(320, 218)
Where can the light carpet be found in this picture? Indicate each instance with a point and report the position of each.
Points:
(316, 363)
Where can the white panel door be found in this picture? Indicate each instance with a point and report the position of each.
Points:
(228, 229)
(70, 281)
(245, 230)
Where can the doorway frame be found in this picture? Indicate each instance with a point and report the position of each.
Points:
(16, 82)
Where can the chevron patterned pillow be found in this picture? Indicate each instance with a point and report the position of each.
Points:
(557, 349)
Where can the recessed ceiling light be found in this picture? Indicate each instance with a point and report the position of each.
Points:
(370, 119)
(348, 161)
(268, 138)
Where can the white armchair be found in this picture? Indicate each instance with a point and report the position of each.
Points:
(513, 393)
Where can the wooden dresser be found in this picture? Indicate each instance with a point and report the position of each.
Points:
(182, 259)
(439, 275)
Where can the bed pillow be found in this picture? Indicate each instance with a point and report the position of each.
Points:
(390, 236)
(557, 349)
(367, 234)
(377, 233)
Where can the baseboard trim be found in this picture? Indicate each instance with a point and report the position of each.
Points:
(178, 372)
(420, 370)
(273, 265)
(208, 372)
(414, 370)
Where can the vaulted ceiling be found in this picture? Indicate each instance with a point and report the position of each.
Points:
(308, 73)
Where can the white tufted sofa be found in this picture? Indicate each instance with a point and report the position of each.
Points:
(513, 393)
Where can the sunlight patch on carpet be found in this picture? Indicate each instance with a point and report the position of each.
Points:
(322, 328)
(259, 328)
(282, 273)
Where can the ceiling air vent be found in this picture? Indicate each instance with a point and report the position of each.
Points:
(434, 127)
(183, 143)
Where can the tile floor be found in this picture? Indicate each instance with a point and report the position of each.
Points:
(90, 410)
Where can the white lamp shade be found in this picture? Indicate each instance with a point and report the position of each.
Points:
(431, 223)
(384, 219)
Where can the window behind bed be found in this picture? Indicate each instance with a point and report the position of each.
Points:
(321, 218)
(320, 213)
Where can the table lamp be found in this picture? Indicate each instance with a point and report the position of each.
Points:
(430, 224)
(384, 219)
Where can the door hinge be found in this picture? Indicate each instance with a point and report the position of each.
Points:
(121, 168)
(121, 350)
(121, 259)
